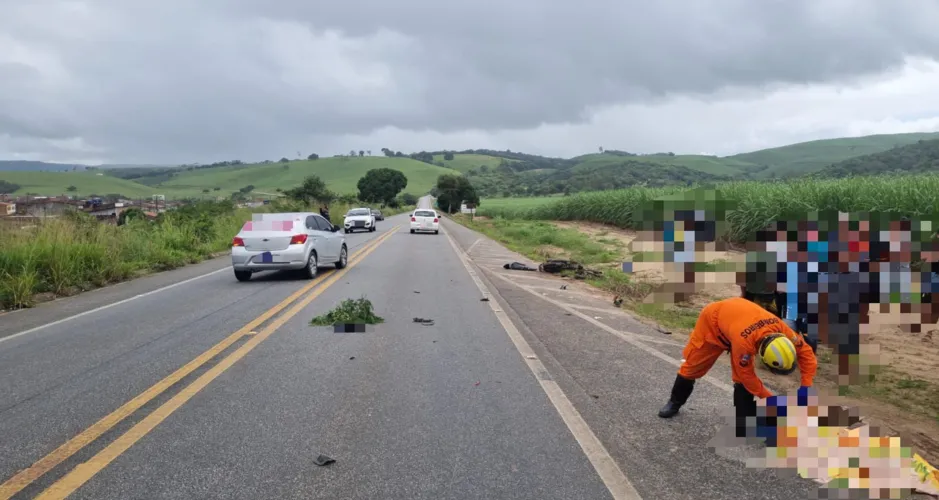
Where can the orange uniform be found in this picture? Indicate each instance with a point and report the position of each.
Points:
(738, 325)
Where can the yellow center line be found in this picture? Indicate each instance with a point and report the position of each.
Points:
(26, 476)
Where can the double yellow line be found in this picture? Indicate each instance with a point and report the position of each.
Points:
(84, 472)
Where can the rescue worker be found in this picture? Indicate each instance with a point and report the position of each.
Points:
(751, 330)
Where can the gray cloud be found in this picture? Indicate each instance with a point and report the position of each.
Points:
(175, 80)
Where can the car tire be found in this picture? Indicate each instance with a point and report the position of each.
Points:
(243, 275)
(343, 258)
(312, 266)
(412, 231)
(372, 229)
(436, 231)
(347, 231)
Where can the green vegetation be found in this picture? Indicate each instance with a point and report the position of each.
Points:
(349, 312)
(381, 185)
(919, 157)
(807, 157)
(757, 203)
(76, 253)
(452, 191)
(466, 162)
(86, 183)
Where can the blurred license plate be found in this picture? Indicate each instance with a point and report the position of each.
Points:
(267, 258)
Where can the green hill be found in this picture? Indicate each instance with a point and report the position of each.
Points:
(920, 157)
(807, 157)
(87, 183)
(341, 174)
(711, 165)
(465, 162)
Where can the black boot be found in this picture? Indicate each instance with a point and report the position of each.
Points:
(680, 392)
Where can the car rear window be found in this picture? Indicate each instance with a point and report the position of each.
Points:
(424, 213)
(268, 225)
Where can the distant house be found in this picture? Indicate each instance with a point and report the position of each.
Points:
(105, 211)
(7, 209)
(46, 207)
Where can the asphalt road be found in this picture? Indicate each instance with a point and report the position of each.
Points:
(506, 398)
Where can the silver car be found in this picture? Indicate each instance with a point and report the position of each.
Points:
(287, 241)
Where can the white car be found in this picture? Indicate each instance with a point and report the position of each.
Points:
(287, 241)
(425, 220)
(359, 218)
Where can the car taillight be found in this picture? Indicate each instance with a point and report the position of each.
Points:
(435, 220)
(237, 242)
(298, 239)
(413, 219)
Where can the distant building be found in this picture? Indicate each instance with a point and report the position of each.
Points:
(7, 209)
(45, 207)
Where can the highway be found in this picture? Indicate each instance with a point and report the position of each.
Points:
(189, 384)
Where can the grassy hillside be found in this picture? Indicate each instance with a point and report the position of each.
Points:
(340, 175)
(465, 162)
(711, 165)
(917, 158)
(56, 183)
(807, 157)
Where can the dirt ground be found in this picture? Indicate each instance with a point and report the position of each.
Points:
(904, 399)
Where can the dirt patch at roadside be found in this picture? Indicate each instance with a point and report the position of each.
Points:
(904, 400)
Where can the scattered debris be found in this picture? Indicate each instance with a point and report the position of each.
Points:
(617, 301)
(568, 314)
(563, 287)
(435, 342)
(349, 312)
(518, 266)
(594, 396)
(484, 299)
(351, 358)
(424, 321)
(531, 357)
(598, 317)
(477, 383)
(557, 266)
(415, 291)
(323, 460)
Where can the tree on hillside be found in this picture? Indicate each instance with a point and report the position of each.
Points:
(399, 154)
(453, 190)
(361, 153)
(205, 191)
(351, 152)
(247, 189)
(312, 190)
(284, 160)
(407, 199)
(448, 155)
(381, 185)
(369, 152)
(71, 189)
(8, 187)
(387, 152)
(216, 189)
(313, 156)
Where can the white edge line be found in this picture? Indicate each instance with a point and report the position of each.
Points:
(612, 476)
(628, 337)
(108, 306)
(470, 249)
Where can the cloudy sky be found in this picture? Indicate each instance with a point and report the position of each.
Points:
(173, 81)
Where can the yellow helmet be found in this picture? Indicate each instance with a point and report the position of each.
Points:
(778, 354)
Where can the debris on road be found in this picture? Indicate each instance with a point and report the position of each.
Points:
(351, 358)
(563, 287)
(531, 357)
(424, 321)
(484, 299)
(323, 460)
(415, 291)
(350, 313)
(558, 266)
(477, 383)
(617, 301)
(518, 266)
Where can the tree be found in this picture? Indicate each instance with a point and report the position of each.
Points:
(361, 153)
(312, 189)
(71, 189)
(454, 190)
(8, 187)
(408, 199)
(399, 154)
(448, 156)
(284, 160)
(381, 185)
(247, 189)
(387, 152)
(129, 214)
(313, 156)
(205, 191)
(351, 152)
(216, 189)
(369, 152)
